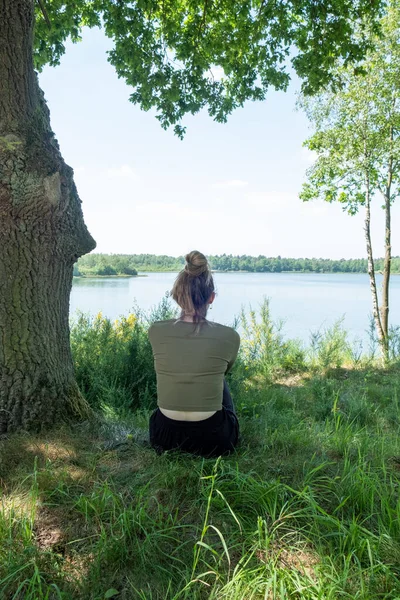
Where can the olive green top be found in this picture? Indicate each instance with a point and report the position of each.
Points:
(191, 364)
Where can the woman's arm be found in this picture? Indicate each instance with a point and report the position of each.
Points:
(235, 351)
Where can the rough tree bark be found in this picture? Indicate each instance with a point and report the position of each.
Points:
(42, 233)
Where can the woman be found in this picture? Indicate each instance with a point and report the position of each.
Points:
(192, 356)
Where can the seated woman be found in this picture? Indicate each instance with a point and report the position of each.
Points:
(192, 356)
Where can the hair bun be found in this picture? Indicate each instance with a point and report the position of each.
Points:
(196, 263)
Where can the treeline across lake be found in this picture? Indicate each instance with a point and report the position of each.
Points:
(105, 265)
(93, 265)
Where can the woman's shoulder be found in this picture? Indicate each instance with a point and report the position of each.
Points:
(224, 331)
(160, 325)
(163, 323)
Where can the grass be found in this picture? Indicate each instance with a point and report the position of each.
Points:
(308, 507)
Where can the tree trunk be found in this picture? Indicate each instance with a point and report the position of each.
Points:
(42, 233)
(388, 250)
(386, 275)
(371, 269)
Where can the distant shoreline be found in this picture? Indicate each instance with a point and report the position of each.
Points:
(144, 273)
(123, 264)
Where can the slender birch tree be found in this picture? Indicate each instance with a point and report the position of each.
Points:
(357, 143)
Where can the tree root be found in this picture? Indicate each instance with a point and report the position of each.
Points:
(78, 406)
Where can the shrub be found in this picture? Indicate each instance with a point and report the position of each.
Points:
(113, 361)
(264, 349)
(128, 271)
(106, 270)
(330, 348)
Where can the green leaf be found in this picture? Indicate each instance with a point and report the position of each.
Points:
(111, 593)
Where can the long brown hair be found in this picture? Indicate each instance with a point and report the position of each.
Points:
(193, 287)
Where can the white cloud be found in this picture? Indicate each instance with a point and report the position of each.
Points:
(231, 183)
(123, 171)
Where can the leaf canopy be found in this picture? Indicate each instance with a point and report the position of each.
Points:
(170, 51)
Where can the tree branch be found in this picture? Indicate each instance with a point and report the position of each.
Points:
(44, 13)
(381, 190)
(204, 18)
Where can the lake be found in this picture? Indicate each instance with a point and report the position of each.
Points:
(305, 301)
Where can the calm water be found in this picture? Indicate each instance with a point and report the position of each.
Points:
(306, 302)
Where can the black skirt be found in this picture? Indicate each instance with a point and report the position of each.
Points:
(215, 436)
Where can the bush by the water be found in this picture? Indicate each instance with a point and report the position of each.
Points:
(307, 508)
(114, 362)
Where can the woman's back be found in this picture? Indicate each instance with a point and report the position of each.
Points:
(192, 355)
(191, 362)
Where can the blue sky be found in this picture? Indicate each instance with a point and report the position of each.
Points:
(229, 188)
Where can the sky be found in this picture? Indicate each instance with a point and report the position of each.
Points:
(226, 188)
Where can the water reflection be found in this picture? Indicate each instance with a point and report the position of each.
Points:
(101, 282)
